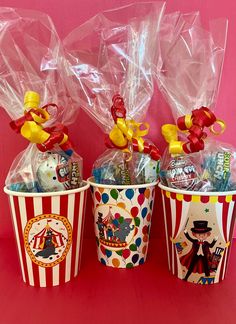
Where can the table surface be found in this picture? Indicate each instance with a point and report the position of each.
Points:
(146, 294)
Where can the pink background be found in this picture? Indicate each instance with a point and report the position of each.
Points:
(69, 14)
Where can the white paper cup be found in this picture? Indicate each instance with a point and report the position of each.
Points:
(199, 230)
(122, 221)
(49, 230)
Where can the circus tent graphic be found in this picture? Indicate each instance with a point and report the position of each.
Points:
(39, 239)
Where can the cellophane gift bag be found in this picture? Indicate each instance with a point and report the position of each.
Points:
(109, 61)
(199, 214)
(44, 183)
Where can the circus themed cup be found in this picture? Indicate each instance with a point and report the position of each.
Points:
(49, 230)
(199, 230)
(122, 219)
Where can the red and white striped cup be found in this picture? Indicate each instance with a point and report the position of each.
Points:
(199, 230)
(49, 230)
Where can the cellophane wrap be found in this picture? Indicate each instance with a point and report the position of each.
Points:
(114, 53)
(192, 60)
(189, 78)
(29, 54)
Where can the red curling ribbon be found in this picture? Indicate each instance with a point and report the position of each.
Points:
(200, 118)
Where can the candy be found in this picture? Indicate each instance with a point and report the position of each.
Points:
(181, 173)
(144, 169)
(58, 172)
(218, 168)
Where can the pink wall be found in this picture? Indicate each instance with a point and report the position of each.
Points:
(67, 15)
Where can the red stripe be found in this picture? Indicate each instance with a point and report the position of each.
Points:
(74, 233)
(225, 210)
(231, 231)
(82, 228)
(178, 205)
(169, 226)
(29, 205)
(63, 212)
(47, 209)
(21, 238)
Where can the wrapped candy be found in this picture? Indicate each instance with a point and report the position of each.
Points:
(109, 63)
(219, 166)
(192, 60)
(35, 97)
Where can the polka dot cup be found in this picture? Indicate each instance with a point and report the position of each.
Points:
(122, 219)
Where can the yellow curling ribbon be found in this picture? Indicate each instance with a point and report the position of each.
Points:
(128, 130)
(33, 130)
(222, 125)
(170, 134)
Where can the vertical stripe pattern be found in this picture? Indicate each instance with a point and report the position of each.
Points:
(26, 212)
(176, 208)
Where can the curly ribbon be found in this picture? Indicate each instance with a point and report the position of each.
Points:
(30, 126)
(125, 131)
(193, 125)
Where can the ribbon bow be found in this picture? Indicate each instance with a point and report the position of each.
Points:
(30, 126)
(193, 125)
(129, 131)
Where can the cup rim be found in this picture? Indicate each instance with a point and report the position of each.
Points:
(197, 193)
(46, 194)
(91, 181)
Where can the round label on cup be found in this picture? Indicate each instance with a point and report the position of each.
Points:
(48, 239)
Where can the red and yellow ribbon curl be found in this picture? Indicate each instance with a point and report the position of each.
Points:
(129, 131)
(193, 125)
(30, 126)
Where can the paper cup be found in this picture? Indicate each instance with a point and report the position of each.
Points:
(199, 230)
(49, 230)
(122, 219)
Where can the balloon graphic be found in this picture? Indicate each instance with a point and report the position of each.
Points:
(148, 217)
(133, 247)
(105, 198)
(117, 215)
(103, 249)
(138, 241)
(144, 249)
(136, 228)
(141, 190)
(141, 199)
(147, 193)
(119, 252)
(115, 262)
(108, 253)
(114, 194)
(129, 265)
(144, 212)
(135, 258)
(141, 261)
(121, 205)
(145, 238)
(126, 253)
(129, 193)
(101, 190)
(98, 196)
(103, 261)
(137, 221)
(134, 211)
(145, 229)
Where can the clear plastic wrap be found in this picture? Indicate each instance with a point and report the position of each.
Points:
(189, 78)
(34, 95)
(112, 55)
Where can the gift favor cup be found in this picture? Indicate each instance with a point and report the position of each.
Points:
(49, 230)
(122, 219)
(199, 230)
